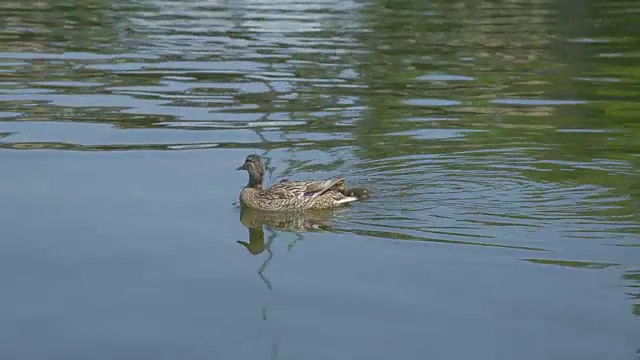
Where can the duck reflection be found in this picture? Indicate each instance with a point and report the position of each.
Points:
(256, 221)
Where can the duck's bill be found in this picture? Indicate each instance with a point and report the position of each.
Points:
(241, 167)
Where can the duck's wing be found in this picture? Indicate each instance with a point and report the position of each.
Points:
(295, 189)
(316, 188)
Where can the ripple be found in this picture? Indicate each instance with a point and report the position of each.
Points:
(537, 102)
(71, 84)
(431, 118)
(230, 125)
(586, 40)
(73, 56)
(192, 146)
(224, 67)
(9, 114)
(572, 264)
(610, 55)
(585, 131)
(101, 134)
(452, 199)
(444, 77)
(13, 64)
(597, 79)
(430, 102)
(435, 133)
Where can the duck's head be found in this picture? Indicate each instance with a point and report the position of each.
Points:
(253, 165)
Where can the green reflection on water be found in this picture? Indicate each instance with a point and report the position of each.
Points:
(634, 278)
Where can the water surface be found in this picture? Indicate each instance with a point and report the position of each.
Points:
(501, 139)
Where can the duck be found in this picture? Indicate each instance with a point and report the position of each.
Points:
(287, 194)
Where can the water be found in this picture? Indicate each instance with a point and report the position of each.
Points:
(501, 139)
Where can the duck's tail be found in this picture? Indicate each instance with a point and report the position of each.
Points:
(347, 199)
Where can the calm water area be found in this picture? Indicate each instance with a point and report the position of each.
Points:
(501, 139)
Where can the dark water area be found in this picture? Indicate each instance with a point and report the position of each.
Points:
(502, 141)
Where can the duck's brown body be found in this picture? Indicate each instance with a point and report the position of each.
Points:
(290, 195)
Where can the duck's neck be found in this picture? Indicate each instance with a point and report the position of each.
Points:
(255, 181)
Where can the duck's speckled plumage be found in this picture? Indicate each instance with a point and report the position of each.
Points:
(290, 195)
